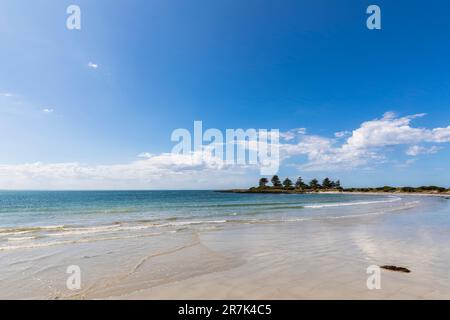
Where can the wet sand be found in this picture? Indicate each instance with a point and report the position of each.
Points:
(293, 260)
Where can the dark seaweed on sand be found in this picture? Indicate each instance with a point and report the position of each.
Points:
(395, 268)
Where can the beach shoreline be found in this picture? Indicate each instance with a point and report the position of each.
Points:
(425, 194)
(374, 193)
(319, 250)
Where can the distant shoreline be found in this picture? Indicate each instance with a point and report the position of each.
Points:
(282, 191)
(442, 194)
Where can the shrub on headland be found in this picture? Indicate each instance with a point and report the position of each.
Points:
(423, 189)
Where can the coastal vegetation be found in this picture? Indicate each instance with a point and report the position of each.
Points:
(327, 185)
(288, 186)
(422, 189)
(299, 186)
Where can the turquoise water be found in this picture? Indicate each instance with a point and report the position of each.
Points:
(31, 208)
(38, 219)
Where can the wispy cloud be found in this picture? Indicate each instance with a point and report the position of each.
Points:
(417, 150)
(292, 134)
(7, 94)
(145, 155)
(342, 134)
(48, 110)
(92, 65)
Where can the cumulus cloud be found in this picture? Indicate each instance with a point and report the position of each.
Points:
(366, 145)
(388, 131)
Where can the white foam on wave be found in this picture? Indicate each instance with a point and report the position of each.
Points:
(23, 230)
(20, 239)
(343, 204)
(119, 227)
(13, 233)
(62, 231)
(186, 223)
(67, 231)
(408, 205)
(79, 241)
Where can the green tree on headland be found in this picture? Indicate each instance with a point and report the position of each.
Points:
(276, 181)
(287, 183)
(299, 184)
(263, 182)
(327, 184)
(314, 184)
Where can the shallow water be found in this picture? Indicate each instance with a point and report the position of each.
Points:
(204, 244)
(39, 219)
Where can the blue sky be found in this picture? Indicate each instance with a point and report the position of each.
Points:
(160, 65)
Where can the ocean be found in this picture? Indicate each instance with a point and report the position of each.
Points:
(146, 239)
(37, 218)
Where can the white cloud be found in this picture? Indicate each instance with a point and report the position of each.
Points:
(416, 150)
(387, 131)
(92, 65)
(48, 110)
(145, 155)
(165, 170)
(341, 134)
(366, 145)
(292, 134)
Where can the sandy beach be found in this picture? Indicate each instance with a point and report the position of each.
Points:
(315, 257)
